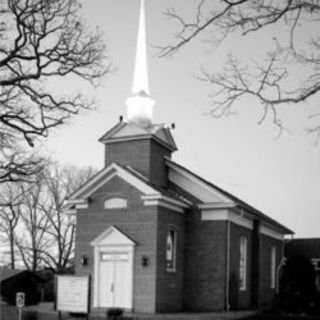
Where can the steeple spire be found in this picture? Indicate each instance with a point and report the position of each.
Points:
(140, 104)
(140, 80)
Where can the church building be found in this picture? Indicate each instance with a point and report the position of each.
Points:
(156, 237)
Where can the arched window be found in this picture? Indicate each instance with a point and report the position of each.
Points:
(171, 250)
(243, 264)
(273, 267)
(115, 203)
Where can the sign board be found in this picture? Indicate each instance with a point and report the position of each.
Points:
(72, 294)
(20, 298)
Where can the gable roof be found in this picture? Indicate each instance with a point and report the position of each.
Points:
(6, 274)
(149, 190)
(124, 131)
(226, 198)
(113, 236)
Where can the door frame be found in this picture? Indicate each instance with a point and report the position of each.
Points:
(112, 240)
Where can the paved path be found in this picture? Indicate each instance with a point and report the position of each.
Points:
(44, 311)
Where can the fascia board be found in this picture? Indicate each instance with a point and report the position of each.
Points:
(120, 172)
(95, 242)
(216, 205)
(198, 182)
(165, 204)
(163, 198)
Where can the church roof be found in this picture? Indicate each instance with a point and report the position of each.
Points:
(226, 197)
(124, 131)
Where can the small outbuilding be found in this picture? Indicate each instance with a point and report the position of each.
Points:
(13, 281)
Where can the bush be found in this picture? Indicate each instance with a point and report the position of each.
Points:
(114, 313)
(298, 292)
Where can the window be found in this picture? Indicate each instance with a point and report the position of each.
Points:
(316, 264)
(115, 203)
(171, 250)
(243, 264)
(273, 267)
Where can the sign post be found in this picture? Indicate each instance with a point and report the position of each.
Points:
(20, 302)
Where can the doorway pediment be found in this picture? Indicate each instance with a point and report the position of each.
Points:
(112, 237)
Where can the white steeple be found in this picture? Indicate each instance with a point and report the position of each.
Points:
(140, 104)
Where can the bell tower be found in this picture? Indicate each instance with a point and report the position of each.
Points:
(136, 141)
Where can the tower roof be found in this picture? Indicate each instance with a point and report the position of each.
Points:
(131, 131)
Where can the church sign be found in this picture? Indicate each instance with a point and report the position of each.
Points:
(72, 294)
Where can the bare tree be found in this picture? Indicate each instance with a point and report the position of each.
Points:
(11, 196)
(32, 223)
(271, 81)
(41, 41)
(30, 236)
(60, 182)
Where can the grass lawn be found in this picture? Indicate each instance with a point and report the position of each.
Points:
(282, 317)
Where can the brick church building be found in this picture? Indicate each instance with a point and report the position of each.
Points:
(156, 237)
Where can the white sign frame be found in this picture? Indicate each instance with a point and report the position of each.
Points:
(20, 299)
(73, 293)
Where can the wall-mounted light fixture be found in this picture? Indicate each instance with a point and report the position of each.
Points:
(145, 261)
(84, 260)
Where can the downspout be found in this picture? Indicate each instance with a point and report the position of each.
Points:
(228, 262)
(279, 267)
(228, 267)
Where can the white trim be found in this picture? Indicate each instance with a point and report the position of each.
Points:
(273, 269)
(100, 246)
(116, 203)
(271, 233)
(217, 205)
(163, 204)
(76, 201)
(243, 262)
(143, 136)
(71, 212)
(226, 215)
(98, 240)
(82, 206)
(200, 184)
(174, 245)
(120, 172)
(163, 201)
(159, 196)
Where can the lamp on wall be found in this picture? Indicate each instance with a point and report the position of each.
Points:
(144, 261)
(84, 260)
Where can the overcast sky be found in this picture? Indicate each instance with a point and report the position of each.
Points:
(280, 177)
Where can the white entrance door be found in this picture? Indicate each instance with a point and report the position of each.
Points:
(114, 280)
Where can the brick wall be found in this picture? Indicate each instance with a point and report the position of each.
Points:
(144, 155)
(137, 222)
(239, 299)
(169, 285)
(267, 294)
(205, 263)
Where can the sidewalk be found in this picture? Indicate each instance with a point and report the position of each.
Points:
(45, 312)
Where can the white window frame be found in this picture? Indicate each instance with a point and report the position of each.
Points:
(316, 263)
(174, 247)
(243, 261)
(273, 267)
(115, 203)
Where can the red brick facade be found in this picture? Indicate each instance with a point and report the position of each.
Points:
(207, 252)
